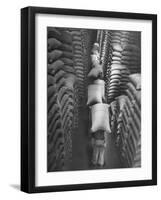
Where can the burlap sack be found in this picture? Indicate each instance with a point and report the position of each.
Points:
(95, 59)
(102, 84)
(136, 80)
(100, 117)
(95, 47)
(96, 72)
(70, 80)
(95, 94)
(117, 47)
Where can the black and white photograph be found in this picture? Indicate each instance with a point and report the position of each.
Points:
(93, 99)
(89, 86)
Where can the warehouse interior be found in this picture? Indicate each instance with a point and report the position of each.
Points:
(94, 99)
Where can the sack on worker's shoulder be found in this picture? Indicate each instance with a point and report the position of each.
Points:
(95, 59)
(100, 117)
(95, 48)
(102, 85)
(95, 94)
(95, 73)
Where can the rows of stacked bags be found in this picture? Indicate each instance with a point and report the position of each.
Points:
(120, 55)
(99, 110)
(81, 42)
(126, 122)
(62, 81)
(103, 38)
(82, 39)
(78, 59)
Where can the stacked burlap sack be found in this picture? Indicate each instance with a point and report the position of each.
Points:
(128, 133)
(99, 111)
(96, 92)
(61, 100)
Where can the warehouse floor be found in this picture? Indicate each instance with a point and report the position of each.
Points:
(82, 149)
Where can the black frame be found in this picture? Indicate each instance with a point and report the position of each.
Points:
(28, 98)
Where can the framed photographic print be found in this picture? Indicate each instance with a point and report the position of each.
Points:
(88, 99)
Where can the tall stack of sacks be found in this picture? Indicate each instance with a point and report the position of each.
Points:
(121, 133)
(78, 59)
(128, 134)
(82, 41)
(118, 76)
(98, 109)
(87, 42)
(115, 110)
(104, 48)
(128, 43)
(105, 42)
(76, 105)
(124, 49)
(117, 73)
(131, 57)
(134, 95)
(61, 84)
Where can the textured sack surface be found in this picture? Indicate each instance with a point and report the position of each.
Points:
(95, 59)
(95, 47)
(95, 94)
(100, 117)
(69, 81)
(136, 80)
(102, 84)
(117, 47)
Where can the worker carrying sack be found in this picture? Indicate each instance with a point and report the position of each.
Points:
(95, 59)
(95, 94)
(95, 48)
(100, 117)
(99, 142)
(96, 72)
(98, 155)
